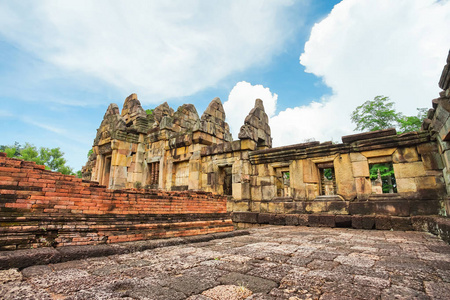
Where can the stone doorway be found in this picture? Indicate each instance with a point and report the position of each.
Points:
(106, 171)
(225, 180)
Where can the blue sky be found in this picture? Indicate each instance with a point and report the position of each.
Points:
(312, 62)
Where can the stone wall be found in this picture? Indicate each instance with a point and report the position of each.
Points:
(177, 150)
(419, 181)
(437, 124)
(44, 208)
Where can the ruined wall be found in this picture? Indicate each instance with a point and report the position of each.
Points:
(419, 181)
(368, 174)
(44, 208)
(438, 125)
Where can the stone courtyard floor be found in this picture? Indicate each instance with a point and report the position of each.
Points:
(270, 263)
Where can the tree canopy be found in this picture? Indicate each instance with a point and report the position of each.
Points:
(52, 159)
(380, 113)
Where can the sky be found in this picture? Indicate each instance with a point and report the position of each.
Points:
(312, 62)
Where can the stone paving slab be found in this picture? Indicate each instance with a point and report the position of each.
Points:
(270, 263)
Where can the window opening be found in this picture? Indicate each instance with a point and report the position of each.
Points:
(282, 182)
(383, 178)
(327, 179)
(153, 175)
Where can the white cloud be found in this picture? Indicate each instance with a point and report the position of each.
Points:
(158, 49)
(242, 99)
(364, 49)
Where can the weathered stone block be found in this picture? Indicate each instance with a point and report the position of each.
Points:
(406, 170)
(386, 152)
(268, 192)
(363, 187)
(245, 217)
(256, 193)
(406, 185)
(314, 220)
(327, 221)
(290, 207)
(344, 177)
(312, 191)
(310, 172)
(357, 222)
(316, 206)
(248, 144)
(343, 221)
(276, 207)
(427, 148)
(368, 222)
(241, 205)
(264, 207)
(401, 223)
(265, 218)
(279, 219)
(303, 220)
(292, 219)
(255, 206)
(426, 182)
(355, 157)
(360, 169)
(403, 155)
(337, 207)
(432, 161)
(383, 222)
(420, 223)
(427, 207)
(368, 135)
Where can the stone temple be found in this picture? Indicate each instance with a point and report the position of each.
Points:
(179, 150)
(175, 174)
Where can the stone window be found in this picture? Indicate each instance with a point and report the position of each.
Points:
(153, 175)
(283, 180)
(383, 178)
(327, 179)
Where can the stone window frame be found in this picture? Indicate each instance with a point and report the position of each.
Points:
(219, 164)
(323, 166)
(318, 161)
(153, 171)
(277, 170)
(387, 159)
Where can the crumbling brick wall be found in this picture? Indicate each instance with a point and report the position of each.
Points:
(43, 208)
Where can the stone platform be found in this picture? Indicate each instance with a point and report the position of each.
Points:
(270, 263)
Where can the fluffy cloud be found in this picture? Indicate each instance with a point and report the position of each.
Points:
(159, 49)
(364, 49)
(242, 99)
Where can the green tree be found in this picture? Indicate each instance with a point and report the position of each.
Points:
(380, 113)
(376, 114)
(388, 181)
(53, 159)
(411, 123)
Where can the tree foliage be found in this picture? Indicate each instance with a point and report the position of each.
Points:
(411, 123)
(380, 113)
(376, 114)
(52, 159)
(387, 175)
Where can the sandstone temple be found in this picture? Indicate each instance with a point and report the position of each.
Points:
(179, 150)
(163, 173)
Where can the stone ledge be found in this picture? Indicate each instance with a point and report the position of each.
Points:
(25, 258)
(436, 225)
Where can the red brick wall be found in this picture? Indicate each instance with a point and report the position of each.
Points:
(35, 202)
